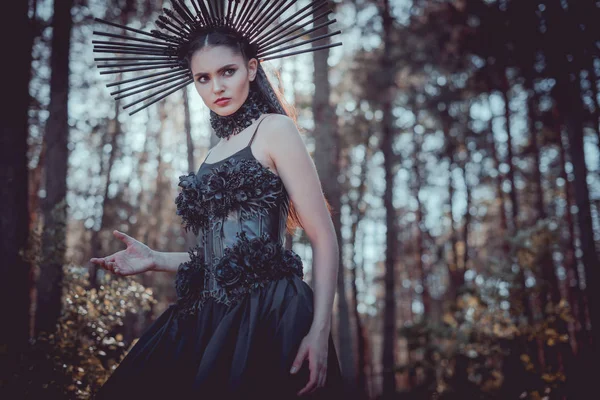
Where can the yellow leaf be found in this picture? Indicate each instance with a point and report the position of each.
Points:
(564, 338)
(449, 319)
(548, 378)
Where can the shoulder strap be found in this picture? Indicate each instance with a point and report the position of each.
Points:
(256, 130)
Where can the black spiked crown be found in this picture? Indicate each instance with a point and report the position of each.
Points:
(162, 52)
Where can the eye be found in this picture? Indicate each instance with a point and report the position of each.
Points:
(201, 79)
(229, 71)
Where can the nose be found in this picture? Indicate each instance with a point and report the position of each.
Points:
(217, 86)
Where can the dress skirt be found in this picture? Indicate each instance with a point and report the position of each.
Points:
(239, 351)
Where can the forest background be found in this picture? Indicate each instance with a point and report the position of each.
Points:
(458, 142)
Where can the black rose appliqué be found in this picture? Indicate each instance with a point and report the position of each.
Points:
(247, 265)
(237, 184)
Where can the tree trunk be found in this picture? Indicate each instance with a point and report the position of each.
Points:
(456, 276)
(15, 267)
(467, 219)
(550, 291)
(54, 205)
(327, 155)
(568, 98)
(532, 102)
(576, 295)
(389, 324)
(511, 166)
(571, 110)
(586, 14)
(593, 77)
(419, 254)
(453, 235)
(113, 132)
(359, 210)
(498, 180)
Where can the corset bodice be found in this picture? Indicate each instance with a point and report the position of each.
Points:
(238, 209)
(244, 197)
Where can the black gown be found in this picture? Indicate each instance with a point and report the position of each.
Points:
(242, 305)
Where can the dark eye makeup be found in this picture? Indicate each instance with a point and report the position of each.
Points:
(225, 72)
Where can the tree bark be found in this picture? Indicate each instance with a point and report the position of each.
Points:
(359, 209)
(15, 267)
(54, 205)
(114, 132)
(570, 106)
(419, 254)
(510, 160)
(389, 317)
(498, 180)
(532, 102)
(327, 156)
(582, 200)
(576, 295)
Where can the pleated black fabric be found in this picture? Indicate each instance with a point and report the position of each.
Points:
(243, 307)
(241, 352)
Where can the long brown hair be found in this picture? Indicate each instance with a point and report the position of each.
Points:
(262, 85)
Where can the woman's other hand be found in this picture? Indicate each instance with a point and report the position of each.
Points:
(135, 259)
(313, 347)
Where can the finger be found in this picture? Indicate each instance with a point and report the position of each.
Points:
(298, 360)
(123, 237)
(117, 270)
(102, 261)
(312, 381)
(319, 382)
(110, 266)
(323, 377)
(310, 386)
(106, 265)
(99, 261)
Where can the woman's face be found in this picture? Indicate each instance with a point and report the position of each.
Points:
(220, 73)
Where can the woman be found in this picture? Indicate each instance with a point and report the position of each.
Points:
(245, 323)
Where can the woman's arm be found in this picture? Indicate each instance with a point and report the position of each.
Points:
(299, 175)
(168, 261)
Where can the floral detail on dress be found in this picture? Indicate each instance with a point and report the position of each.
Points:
(237, 184)
(189, 204)
(190, 277)
(244, 267)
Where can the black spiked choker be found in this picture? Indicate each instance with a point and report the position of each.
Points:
(227, 126)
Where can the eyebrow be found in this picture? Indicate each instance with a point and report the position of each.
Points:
(219, 70)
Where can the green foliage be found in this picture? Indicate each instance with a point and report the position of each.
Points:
(76, 359)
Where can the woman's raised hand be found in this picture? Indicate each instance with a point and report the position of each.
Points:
(135, 259)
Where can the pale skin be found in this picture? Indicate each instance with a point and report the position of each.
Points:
(220, 72)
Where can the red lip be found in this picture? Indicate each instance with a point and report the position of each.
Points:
(222, 100)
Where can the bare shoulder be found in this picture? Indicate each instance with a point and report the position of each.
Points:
(277, 137)
(279, 126)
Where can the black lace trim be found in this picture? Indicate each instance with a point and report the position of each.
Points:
(244, 267)
(237, 184)
(229, 125)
